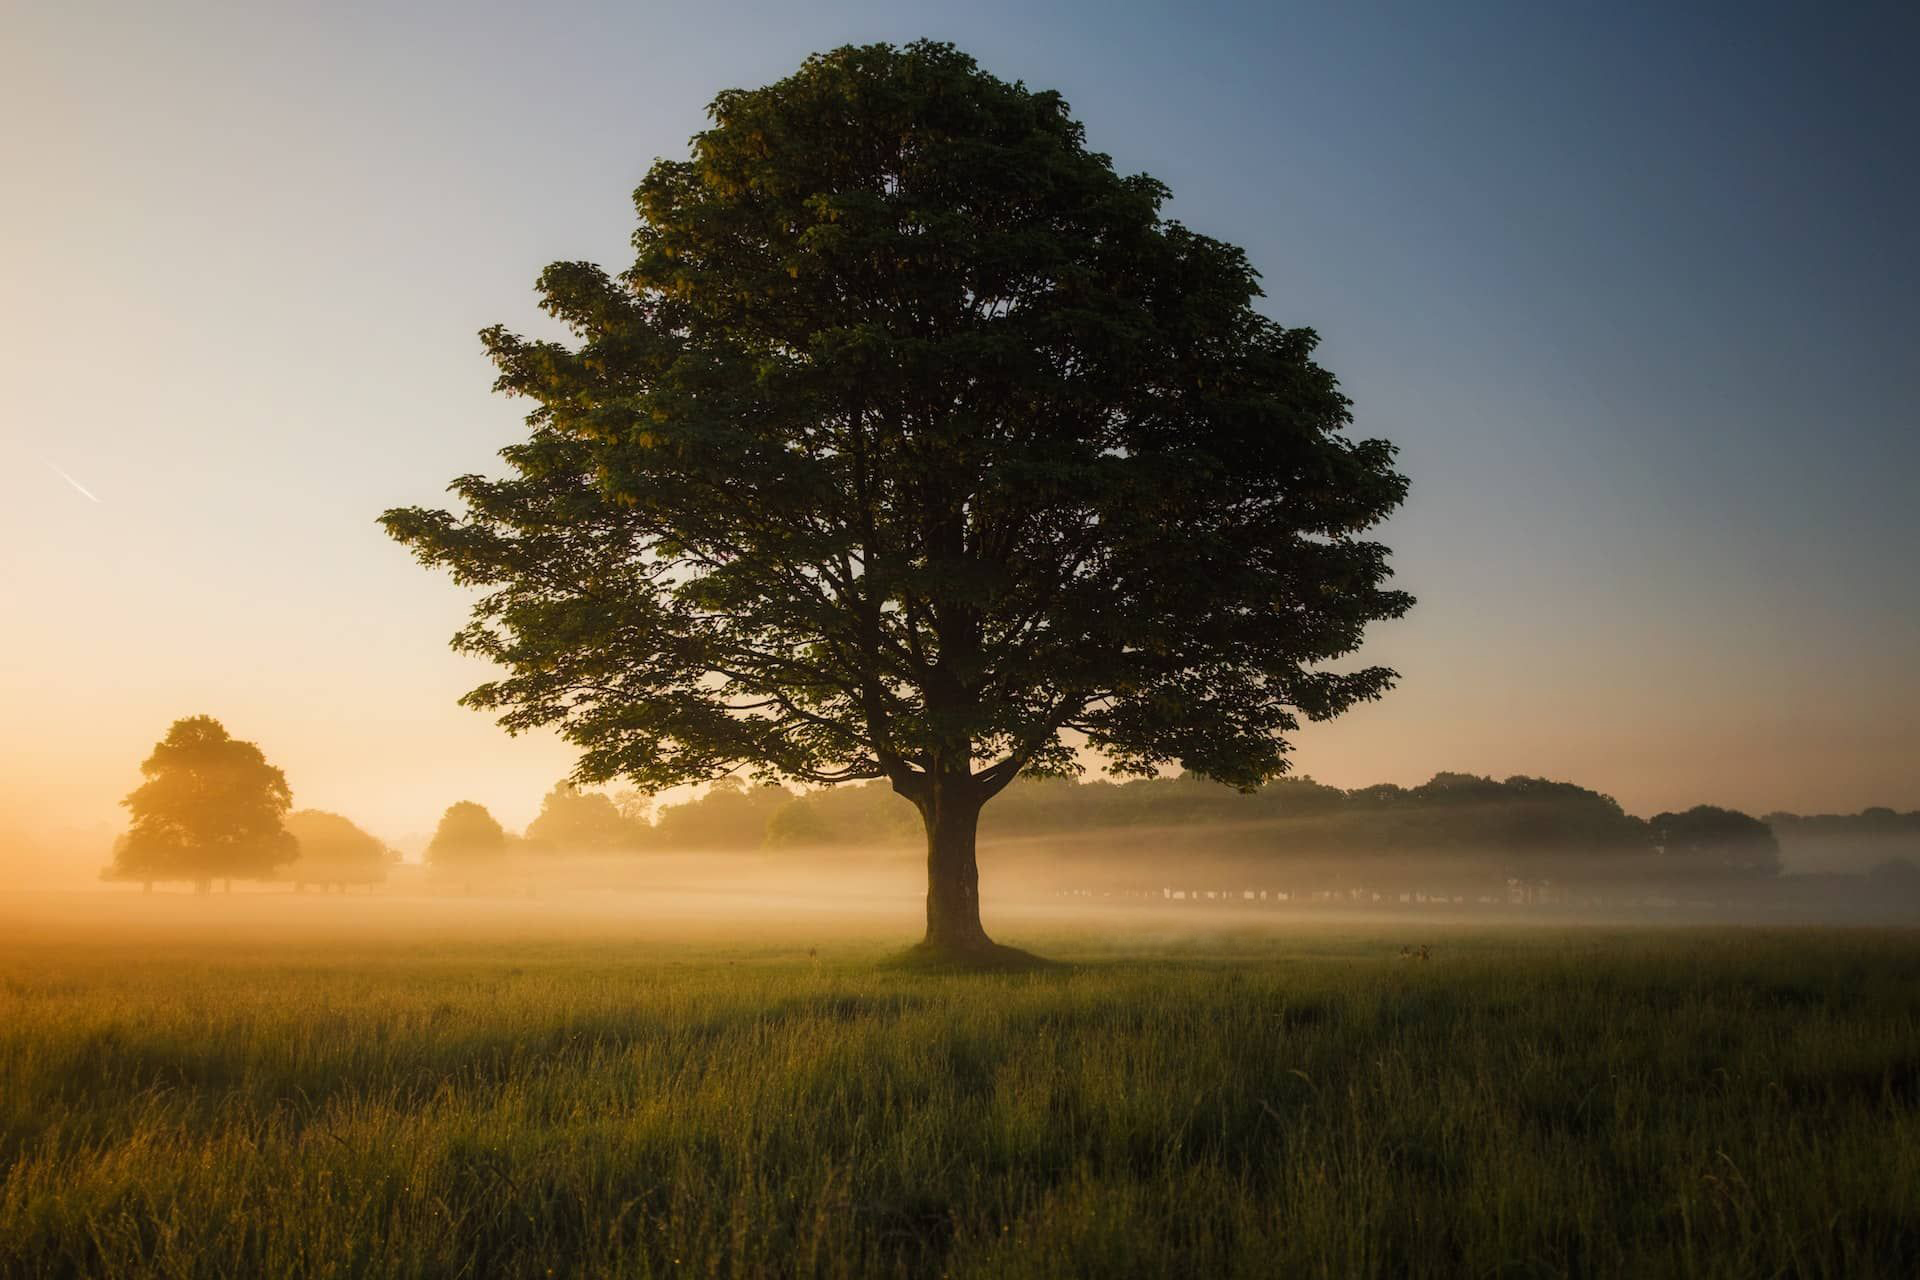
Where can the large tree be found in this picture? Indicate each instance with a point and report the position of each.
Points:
(211, 808)
(917, 444)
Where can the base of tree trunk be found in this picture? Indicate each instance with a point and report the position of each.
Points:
(980, 957)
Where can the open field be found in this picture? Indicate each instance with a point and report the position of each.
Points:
(344, 1087)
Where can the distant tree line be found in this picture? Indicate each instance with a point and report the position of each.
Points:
(1516, 822)
(1878, 840)
(211, 808)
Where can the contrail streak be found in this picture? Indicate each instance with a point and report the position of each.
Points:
(84, 491)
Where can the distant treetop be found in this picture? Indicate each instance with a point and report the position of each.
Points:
(333, 850)
(467, 834)
(572, 820)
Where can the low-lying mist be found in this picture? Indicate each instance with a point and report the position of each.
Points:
(1140, 858)
(1147, 884)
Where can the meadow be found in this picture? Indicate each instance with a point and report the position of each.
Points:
(410, 1096)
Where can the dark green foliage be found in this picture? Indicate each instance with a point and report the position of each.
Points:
(211, 808)
(1455, 824)
(1453, 812)
(1717, 840)
(1466, 814)
(913, 440)
(467, 836)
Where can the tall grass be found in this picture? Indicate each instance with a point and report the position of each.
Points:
(1706, 1103)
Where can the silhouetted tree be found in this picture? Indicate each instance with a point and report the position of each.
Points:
(1381, 795)
(467, 838)
(572, 820)
(335, 851)
(915, 440)
(1721, 841)
(211, 808)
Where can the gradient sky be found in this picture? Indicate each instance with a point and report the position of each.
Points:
(1634, 291)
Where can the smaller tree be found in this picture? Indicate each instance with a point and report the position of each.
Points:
(798, 822)
(1710, 840)
(211, 808)
(576, 821)
(468, 838)
(335, 851)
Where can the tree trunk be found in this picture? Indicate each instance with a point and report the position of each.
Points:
(951, 810)
(203, 887)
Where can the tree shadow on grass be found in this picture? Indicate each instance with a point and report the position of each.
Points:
(923, 957)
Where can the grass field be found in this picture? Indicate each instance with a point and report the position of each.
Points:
(1294, 1101)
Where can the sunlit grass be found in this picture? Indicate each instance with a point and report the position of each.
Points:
(1725, 1103)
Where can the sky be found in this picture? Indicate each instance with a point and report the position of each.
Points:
(1634, 291)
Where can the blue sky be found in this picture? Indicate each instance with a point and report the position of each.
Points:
(1632, 289)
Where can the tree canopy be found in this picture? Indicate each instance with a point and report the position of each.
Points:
(467, 835)
(729, 816)
(1717, 840)
(211, 808)
(572, 820)
(917, 444)
(333, 850)
(1519, 819)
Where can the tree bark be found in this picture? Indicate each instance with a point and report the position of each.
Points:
(950, 808)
